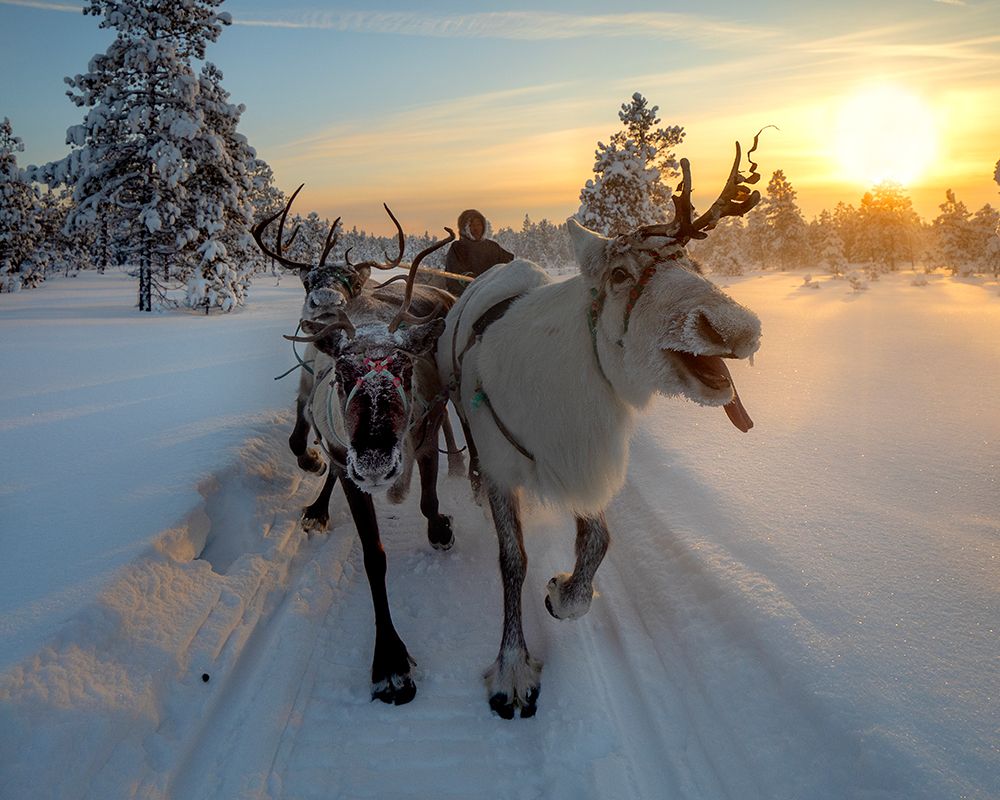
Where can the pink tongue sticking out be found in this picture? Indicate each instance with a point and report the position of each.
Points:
(734, 408)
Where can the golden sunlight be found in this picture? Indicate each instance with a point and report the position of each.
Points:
(885, 132)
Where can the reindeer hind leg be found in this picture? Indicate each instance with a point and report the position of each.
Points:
(439, 530)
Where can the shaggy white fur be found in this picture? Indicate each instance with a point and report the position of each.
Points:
(551, 396)
(573, 411)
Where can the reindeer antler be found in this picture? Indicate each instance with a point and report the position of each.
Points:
(277, 254)
(342, 322)
(404, 315)
(735, 200)
(392, 263)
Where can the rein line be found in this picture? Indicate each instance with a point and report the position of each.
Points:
(303, 364)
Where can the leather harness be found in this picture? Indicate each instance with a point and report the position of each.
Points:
(487, 318)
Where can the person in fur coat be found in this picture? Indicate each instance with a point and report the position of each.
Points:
(472, 254)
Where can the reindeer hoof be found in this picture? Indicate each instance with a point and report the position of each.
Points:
(310, 461)
(505, 708)
(396, 690)
(562, 602)
(315, 520)
(513, 684)
(440, 534)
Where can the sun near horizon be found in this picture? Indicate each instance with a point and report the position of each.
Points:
(885, 132)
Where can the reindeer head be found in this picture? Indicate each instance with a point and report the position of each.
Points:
(657, 324)
(368, 397)
(328, 286)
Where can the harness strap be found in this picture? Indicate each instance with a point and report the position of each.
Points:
(481, 397)
(303, 364)
(487, 318)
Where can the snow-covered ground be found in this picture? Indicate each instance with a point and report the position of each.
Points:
(806, 611)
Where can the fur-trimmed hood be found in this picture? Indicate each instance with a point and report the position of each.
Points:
(465, 223)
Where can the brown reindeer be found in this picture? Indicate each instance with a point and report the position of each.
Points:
(376, 402)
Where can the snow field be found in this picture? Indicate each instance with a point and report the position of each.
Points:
(804, 611)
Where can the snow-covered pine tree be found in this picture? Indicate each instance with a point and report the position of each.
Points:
(986, 233)
(627, 189)
(218, 209)
(725, 251)
(826, 244)
(887, 227)
(954, 238)
(127, 166)
(845, 218)
(784, 233)
(20, 210)
(265, 199)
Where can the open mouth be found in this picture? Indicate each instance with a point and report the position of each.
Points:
(712, 372)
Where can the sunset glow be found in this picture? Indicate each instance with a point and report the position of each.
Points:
(503, 109)
(884, 133)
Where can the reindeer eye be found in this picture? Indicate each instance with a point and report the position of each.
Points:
(620, 276)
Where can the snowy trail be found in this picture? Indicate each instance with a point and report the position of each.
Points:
(805, 612)
(650, 695)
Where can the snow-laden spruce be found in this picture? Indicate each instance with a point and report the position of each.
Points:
(628, 189)
(20, 211)
(156, 166)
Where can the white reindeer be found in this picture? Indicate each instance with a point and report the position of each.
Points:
(548, 378)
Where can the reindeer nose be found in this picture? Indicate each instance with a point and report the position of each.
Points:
(707, 332)
(373, 469)
(735, 332)
(325, 298)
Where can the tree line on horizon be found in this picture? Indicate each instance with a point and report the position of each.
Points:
(159, 178)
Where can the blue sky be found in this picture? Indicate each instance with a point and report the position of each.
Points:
(444, 105)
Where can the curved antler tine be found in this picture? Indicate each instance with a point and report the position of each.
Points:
(258, 235)
(411, 276)
(413, 319)
(392, 263)
(736, 198)
(342, 323)
(284, 214)
(295, 232)
(394, 279)
(682, 229)
(331, 241)
(399, 231)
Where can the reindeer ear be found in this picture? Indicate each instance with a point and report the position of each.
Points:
(588, 247)
(422, 338)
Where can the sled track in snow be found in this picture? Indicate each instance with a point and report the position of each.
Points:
(642, 698)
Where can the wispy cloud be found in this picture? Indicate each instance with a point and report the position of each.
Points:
(75, 9)
(522, 25)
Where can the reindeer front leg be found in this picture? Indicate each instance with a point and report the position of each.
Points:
(308, 457)
(316, 515)
(569, 596)
(513, 681)
(391, 681)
